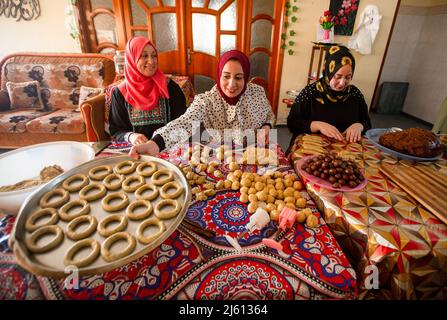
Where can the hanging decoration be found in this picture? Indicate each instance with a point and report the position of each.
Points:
(344, 12)
(290, 11)
(20, 9)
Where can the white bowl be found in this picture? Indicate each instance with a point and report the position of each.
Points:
(27, 162)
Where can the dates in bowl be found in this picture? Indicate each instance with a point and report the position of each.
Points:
(334, 170)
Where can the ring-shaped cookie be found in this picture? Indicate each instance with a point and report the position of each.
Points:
(74, 224)
(75, 248)
(95, 175)
(158, 181)
(139, 216)
(102, 226)
(149, 186)
(173, 184)
(45, 200)
(31, 242)
(117, 195)
(31, 225)
(107, 244)
(167, 214)
(71, 187)
(83, 194)
(63, 212)
(147, 223)
(119, 168)
(126, 183)
(147, 173)
(113, 186)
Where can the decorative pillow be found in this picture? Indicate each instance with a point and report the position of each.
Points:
(24, 95)
(4, 100)
(86, 93)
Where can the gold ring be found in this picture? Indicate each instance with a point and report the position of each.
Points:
(119, 167)
(31, 225)
(156, 177)
(109, 208)
(83, 194)
(63, 212)
(139, 216)
(71, 187)
(149, 186)
(73, 225)
(45, 200)
(31, 242)
(71, 253)
(93, 173)
(167, 214)
(147, 173)
(171, 185)
(102, 227)
(113, 186)
(126, 184)
(107, 244)
(147, 223)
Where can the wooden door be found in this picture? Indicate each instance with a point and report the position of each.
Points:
(212, 28)
(191, 35)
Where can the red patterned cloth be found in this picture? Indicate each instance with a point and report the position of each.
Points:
(189, 266)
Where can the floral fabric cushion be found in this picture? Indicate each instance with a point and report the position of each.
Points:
(62, 76)
(63, 121)
(86, 93)
(60, 99)
(24, 95)
(15, 121)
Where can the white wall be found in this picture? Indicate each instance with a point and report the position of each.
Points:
(295, 67)
(47, 33)
(417, 55)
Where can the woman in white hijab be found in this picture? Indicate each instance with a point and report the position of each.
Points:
(363, 38)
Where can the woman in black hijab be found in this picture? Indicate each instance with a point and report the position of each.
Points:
(331, 105)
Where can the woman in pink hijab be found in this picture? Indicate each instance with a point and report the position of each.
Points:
(233, 107)
(146, 100)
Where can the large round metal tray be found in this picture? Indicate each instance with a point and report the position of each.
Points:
(50, 264)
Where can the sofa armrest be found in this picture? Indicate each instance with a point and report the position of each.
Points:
(5, 104)
(93, 112)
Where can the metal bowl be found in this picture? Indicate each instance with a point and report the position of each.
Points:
(27, 162)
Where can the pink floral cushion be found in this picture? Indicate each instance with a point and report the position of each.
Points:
(24, 95)
(15, 121)
(63, 121)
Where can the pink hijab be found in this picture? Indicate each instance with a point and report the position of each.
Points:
(140, 91)
(245, 63)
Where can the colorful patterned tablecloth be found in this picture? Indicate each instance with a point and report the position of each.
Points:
(189, 266)
(384, 231)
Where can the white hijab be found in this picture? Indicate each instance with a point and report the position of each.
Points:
(363, 38)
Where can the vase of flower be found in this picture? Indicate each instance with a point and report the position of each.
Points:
(326, 34)
(326, 23)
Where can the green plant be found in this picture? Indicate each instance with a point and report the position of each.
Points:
(290, 10)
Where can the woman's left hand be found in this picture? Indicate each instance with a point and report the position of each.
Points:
(354, 132)
(263, 135)
(137, 138)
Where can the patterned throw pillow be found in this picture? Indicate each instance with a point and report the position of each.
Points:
(24, 95)
(86, 93)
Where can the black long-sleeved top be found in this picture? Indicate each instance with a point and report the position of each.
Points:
(120, 123)
(341, 115)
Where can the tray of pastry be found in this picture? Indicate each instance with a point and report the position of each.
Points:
(99, 216)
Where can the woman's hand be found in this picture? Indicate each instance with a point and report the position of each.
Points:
(326, 129)
(354, 132)
(149, 148)
(263, 135)
(137, 138)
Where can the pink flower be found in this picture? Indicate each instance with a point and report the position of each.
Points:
(343, 21)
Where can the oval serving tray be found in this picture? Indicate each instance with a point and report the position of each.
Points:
(51, 263)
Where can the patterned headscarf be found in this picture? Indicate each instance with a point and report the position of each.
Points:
(140, 91)
(336, 57)
(245, 63)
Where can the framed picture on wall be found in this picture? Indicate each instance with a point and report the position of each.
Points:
(344, 12)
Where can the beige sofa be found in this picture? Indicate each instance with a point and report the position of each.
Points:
(60, 78)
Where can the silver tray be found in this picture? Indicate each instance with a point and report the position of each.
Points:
(51, 264)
